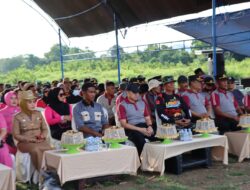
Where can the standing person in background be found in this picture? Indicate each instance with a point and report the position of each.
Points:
(43, 101)
(8, 114)
(58, 114)
(182, 85)
(238, 95)
(30, 130)
(107, 100)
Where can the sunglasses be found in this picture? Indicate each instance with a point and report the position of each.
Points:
(62, 94)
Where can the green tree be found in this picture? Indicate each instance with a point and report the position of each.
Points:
(54, 53)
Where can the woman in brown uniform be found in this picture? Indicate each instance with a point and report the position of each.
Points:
(30, 130)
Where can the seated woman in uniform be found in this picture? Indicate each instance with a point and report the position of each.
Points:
(30, 129)
(58, 113)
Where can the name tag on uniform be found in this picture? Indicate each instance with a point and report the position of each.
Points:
(85, 116)
(98, 116)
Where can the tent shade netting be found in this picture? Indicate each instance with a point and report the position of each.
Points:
(233, 31)
(89, 17)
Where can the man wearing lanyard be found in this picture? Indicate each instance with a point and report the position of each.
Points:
(225, 107)
(197, 103)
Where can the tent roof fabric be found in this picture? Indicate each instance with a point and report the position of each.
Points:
(232, 31)
(99, 17)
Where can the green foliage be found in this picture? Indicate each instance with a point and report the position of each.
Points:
(154, 60)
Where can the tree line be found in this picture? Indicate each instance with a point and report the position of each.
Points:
(153, 53)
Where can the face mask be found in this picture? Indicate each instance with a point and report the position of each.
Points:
(76, 92)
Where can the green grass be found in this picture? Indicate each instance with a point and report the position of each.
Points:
(223, 187)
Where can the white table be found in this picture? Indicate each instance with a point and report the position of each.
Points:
(7, 181)
(239, 144)
(85, 164)
(154, 154)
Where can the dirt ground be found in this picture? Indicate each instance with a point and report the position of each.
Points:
(235, 176)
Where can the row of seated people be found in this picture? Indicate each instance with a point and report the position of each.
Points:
(135, 110)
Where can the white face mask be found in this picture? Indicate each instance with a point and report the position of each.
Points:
(76, 92)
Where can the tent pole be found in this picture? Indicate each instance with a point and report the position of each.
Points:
(214, 37)
(61, 53)
(117, 49)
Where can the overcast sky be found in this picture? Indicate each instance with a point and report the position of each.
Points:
(24, 31)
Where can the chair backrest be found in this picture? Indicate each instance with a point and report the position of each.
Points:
(47, 125)
(73, 123)
(158, 121)
(117, 122)
(105, 111)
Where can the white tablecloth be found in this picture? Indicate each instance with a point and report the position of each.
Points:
(7, 181)
(239, 144)
(154, 154)
(85, 164)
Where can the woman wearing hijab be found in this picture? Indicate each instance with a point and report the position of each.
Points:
(30, 129)
(8, 113)
(42, 102)
(5, 157)
(58, 113)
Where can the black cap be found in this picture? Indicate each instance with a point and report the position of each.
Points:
(198, 70)
(182, 79)
(125, 80)
(140, 78)
(158, 77)
(133, 80)
(221, 77)
(209, 80)
(231, 79)
(192, 78)
(123, 86)
(133, 87)
(168, 79)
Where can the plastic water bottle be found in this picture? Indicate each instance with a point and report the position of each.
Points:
(185, 135)
(181, 134)
(190, 134)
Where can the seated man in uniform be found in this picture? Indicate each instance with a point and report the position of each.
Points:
(135, 118)
(170, 107)
(89, 116)
(197, 103)
(225, 107)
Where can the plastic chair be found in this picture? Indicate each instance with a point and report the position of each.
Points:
(117, 122)
(105, 111)
(73, 123)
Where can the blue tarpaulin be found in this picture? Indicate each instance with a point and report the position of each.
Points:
(233, 31)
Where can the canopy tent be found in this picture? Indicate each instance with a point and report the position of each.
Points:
(89, 17)
(233, 31)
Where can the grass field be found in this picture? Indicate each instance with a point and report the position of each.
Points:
(235, 176)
